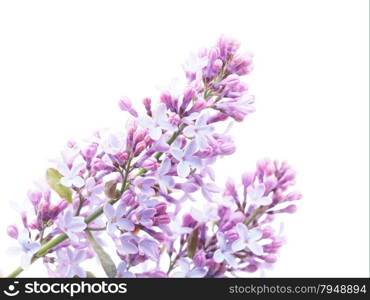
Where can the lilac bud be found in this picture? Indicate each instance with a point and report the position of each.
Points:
(291, 209)
(43, 211)
(126, 105)
(198, 106)
(12, 231)
(128, 198)
(241, 64)
(140, 147)
(150, 164)
(166, 98)
(89, 152)
(267, 232)
(270, 184)
(251, 268)
(271, 258)
(148, 105)
(24, 220)
(139, 135)
(161, 208)
(188, 221)
(228, 46)
(218, 117)
(174, 119)
(161, 220)
(188, 96)
(34, 197)
(227, 148)
(199, 259)
(293, 196)
(247, 179)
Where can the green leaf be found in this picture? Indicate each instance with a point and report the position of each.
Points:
(104, 258)
(90, 274)
(53, 178)
(192, 242)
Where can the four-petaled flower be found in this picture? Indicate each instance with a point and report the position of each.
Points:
(93, 190)
(122, 271)
(248, 238)
(145, 216)
(116, 219)
(224, 252)
(256, 194)
(68, 262)
(70, 224)
(187, 272)
(71, 176)
(26, 247)
(200, 131)
(132, 244)
(165, 181)
(157, 122)
(186, 158)
(209, 213)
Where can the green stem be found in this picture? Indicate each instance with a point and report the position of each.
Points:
(257, 212)
(62, 237)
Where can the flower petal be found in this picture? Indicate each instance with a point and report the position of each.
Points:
(255, 247)
(183, 169)
(109, 211)
(78, 181)
(218, 256)
(125, 224)
(238, 245)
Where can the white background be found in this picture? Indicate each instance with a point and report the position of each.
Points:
(64, 65)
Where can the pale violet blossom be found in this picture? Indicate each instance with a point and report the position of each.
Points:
(186, 158)
(177, 229)
(256, 194)
(224, 251)
(200, 131)
(207, 214)
(122, 271)
(69, 262)
(71, 177)
(26, 247)
(195, 63)
(157, 122)
(186, 271)
(111, 142)
(70, 224)
(165, 181)
(116, 219)
(93, 190)
(248, 238)
(132, 244)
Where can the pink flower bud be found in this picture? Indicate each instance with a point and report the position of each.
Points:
(198, 106)
(247, 179)
(12, 231)
(199, 258)
(125, 105)
(251, 268)
(128, 198)
(34, 197)
(148, 105)
(140, 147)
(271, 258)
(150, 164)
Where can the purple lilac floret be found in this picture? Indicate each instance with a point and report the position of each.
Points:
(151, 191)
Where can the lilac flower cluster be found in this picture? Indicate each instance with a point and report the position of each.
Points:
(150, 193)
